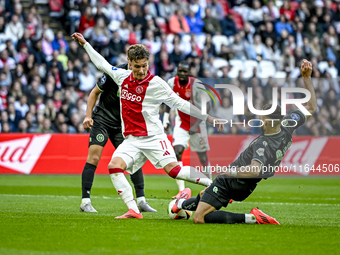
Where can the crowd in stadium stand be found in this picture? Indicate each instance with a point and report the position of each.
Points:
(45, 80)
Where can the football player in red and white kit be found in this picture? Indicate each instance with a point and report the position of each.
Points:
(141, 94)
(186, 127)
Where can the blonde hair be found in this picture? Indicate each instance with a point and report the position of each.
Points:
(138, 51)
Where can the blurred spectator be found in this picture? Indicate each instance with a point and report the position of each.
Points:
(195, 23)
(21, 105)
(228, 26)
(100, 37)
(211, 24)
(22, 126)
(14, 116)
(271, 10)
(134, 18)
(5, 60)
(178, 24)
(14, 29)
(87, 80)
(46, 127)
(86, 20)
(166, 9)
(114, 12)
(216, 9)
(74, 52)
(282, 24)
(59, 42)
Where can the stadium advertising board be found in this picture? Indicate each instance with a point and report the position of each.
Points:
(66, 154)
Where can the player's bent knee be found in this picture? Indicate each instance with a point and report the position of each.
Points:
(117, 163)
(94, 160)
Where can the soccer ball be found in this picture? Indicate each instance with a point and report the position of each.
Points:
(181, 215)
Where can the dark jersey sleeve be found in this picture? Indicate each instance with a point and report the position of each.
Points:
(106, 79)
(259, 151)
(102, 81)
(294, 120)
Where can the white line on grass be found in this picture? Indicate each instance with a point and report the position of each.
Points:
(162, 199)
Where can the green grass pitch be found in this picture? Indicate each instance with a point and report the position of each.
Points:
(40, 215)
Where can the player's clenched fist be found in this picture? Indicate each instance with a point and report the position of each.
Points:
(87, 123)
(306, 69)
(78, 37)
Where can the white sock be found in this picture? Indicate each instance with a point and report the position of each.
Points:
(85, 200)
(190, 174)
(250, 218)
(124, 190)
(180, 183)
(180, 202)
(140, 200)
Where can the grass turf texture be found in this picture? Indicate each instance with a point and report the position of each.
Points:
(40, 215)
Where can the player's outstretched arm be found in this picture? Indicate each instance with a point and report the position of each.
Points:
(88, 121)
(306, 72)
(95, 57)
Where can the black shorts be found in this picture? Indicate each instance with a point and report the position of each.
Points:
(101, 132)
(219, 193)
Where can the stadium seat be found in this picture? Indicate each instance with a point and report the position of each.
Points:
(322, 66)
(218, 40)
(186, 38)
(267, 69)
(220, 62)
(170, 38)
(114, 25)
(249, 66)
(333, 72)
(236, 66)
(201, 39)
(280, 77)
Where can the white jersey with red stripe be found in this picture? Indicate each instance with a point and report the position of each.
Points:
(192, 91)
(140, 100)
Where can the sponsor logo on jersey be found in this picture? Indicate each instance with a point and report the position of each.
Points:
(265, 143)
(215, 189)
(114, 68)
(139, 89)
(103, 79)
(295, 116)
(260, 152)
(22, 154)
(129, 96)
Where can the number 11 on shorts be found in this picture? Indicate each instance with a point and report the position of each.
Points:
(164, 147)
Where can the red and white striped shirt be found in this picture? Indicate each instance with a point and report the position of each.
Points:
(140, 100)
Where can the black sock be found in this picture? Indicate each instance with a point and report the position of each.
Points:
(87, 179)
(138, 182)
(224, 217)
(191, 203)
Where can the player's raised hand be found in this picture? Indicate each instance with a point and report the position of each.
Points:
(78, 37)
(306, 69)
(216, 123)
(87, 123)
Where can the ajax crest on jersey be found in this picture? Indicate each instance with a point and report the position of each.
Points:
(139, 89)
(181, 215)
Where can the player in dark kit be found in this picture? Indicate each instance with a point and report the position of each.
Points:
(255, 163)
(105, 124)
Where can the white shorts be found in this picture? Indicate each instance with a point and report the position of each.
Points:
(135, 151)
(198, 141)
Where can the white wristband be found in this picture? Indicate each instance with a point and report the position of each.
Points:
(233, 172)
(166, 120)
